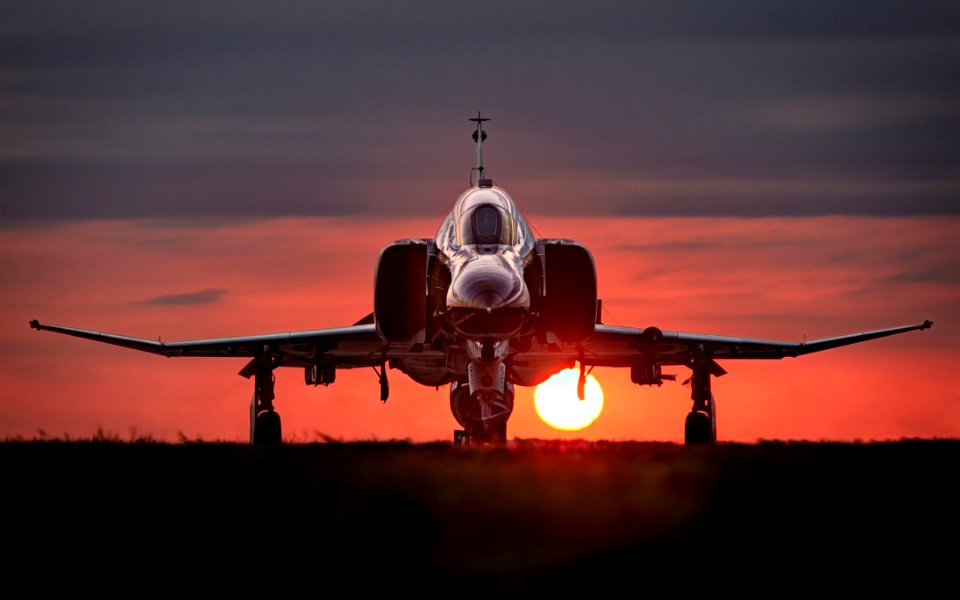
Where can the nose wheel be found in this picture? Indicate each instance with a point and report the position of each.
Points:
(493, 433)
(482, 415)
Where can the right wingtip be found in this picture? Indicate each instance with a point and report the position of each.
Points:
(927, 324)
(34, 324)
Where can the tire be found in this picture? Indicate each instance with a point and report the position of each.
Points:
(267, 429)
(698, 429)
(493, 434)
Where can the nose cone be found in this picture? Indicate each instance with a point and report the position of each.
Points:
(488, 283)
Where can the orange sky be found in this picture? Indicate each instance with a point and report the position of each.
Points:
(776, 278)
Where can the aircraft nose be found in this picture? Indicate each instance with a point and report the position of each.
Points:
(487, 285)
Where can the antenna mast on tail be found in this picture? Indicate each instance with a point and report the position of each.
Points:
(479, 136)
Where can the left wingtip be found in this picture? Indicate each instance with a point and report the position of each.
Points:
(35, 324)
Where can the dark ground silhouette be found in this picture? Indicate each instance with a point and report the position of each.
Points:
(773, 518)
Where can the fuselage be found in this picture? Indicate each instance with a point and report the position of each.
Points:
(483, 248)
(499, 307)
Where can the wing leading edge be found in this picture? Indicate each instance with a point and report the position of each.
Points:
(355, 345)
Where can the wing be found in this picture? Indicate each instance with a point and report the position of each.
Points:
(359, 345)
(614, 346)
(352, 346)
(622, 346)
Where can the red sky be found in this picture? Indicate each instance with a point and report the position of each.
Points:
(318, 133)
(776, 278)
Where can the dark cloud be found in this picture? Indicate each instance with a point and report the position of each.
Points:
(948, 273)
(300, 108)
(202, 297)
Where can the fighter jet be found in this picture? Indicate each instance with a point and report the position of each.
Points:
(482, 307)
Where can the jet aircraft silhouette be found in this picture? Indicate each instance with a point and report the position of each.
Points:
(483, 306)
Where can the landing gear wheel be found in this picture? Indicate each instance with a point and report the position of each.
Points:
(698, 429)
(478, 434)
(267, 429)
(497, 433)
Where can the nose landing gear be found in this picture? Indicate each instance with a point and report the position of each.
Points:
(483, 415)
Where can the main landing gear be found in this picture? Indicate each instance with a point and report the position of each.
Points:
(265, 426)
(701, 424)
(264, 420)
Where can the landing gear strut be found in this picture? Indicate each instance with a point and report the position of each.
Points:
(264, 420)
(484, 419)
(701, 423)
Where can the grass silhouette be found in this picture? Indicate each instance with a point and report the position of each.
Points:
(532, 516)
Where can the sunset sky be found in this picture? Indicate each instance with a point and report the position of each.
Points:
(761, 169)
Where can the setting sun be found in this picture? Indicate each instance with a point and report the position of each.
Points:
(557, 403)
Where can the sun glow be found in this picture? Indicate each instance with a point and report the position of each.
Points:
(557, 403)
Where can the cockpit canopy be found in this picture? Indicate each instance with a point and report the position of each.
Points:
(484, 220)
(486, 224)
